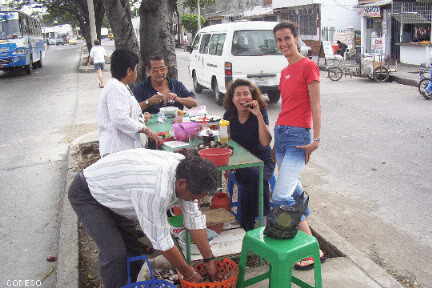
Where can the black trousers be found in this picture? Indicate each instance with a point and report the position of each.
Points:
(248, 195)
(115, 236)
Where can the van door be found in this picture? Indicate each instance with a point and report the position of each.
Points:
(215, 63)
(254, 56)
(193, 57)
(202, 73)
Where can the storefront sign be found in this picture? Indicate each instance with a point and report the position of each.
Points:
(371, 12)
(327, 47)
(377, 44)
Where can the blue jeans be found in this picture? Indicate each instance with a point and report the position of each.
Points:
(291, 162)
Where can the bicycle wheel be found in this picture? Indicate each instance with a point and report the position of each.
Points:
(381, 74)
(335, 73)
(422, 88)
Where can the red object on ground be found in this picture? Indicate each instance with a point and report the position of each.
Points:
(218, 156)
(225, 267)
(51, 259)
(221, 200)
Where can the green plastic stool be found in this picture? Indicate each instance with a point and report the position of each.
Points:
(177, 221)
(281, 255)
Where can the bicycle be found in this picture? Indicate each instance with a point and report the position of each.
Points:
(425, 81)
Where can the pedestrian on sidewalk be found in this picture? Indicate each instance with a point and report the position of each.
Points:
(158, 90)
(138, 186)
(245, 109)
(97, 56)
(118, 112)
(300, 112)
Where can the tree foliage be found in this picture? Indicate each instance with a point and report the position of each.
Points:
(190, 22)
(192, 4)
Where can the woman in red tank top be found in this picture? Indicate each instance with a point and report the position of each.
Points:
(300, 113)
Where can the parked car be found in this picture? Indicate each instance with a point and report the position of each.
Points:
(225, 52)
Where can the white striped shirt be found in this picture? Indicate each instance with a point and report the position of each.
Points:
(140, 184)
(117, 117)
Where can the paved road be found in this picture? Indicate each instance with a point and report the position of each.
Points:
(371, 178)
(35, 112)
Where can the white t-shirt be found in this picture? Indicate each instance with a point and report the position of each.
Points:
(98, 54)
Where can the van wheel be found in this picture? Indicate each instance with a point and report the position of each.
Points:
(29, 67)
(197, 86)
(216, 94)
(274, 97)
(40, 61)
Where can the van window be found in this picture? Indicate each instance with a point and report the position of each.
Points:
(216, 44)
(254, 43)
(196, 42)
(204, 44)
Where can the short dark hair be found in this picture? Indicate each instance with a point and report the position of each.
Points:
(200, 174)
(286, 25)
(154, 58)
(121, 61)
(255, 91)
(96, 42)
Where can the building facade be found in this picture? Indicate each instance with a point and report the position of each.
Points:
(319, 20)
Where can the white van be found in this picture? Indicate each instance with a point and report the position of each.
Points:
(225, 52)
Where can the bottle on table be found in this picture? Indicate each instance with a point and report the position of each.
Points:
(223, 131)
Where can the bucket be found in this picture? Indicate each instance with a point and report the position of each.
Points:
(218, 156)
(225, 267)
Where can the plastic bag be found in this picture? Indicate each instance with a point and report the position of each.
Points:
(283, 220)
(185, 130)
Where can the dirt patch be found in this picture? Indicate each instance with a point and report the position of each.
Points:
(88, 261)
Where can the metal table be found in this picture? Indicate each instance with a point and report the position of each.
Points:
(241, 158)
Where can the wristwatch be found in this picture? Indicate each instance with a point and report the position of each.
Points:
(147, 102)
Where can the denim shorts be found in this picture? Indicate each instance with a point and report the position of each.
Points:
(290, 162)
(99, 66)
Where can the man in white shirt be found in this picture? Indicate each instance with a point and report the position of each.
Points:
(97, 54)
(140, 185)
(118, 111)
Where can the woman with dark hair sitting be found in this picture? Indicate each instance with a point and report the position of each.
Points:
(118, 111)
(245, 109)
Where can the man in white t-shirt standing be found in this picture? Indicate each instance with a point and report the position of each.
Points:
(97, 54)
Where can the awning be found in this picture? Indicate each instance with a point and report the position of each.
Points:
(375, 4)
(411, 18)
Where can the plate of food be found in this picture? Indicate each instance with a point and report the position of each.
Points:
(205, 118)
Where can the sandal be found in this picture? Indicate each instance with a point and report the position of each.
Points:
(310, 264)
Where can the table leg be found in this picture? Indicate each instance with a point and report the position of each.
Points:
(188, 247)
(261, 196)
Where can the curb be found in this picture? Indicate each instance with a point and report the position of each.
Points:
(68, 255)
(68, 250)
(404, 81)
(331, 239)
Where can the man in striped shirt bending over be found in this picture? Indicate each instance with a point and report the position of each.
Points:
(140, 185)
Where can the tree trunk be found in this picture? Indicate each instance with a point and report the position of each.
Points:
(99, 16)
(156, 33)
(119, 16)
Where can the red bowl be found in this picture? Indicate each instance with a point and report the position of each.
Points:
(218, 156)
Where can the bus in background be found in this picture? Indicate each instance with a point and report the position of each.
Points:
(21, 43)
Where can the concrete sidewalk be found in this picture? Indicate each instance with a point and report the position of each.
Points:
(351, 268)
(406, 75)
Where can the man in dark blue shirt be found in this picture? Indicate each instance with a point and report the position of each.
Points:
(158, 91)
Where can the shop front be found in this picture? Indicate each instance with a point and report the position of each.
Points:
(414, 19)
(375, 28)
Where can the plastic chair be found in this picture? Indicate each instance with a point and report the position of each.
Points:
(230, 188)
(152, 283)
(281, 255)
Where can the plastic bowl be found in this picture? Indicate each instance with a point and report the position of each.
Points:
(169, 110)
(218, 156)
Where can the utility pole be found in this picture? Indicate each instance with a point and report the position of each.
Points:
(199, 15)
(92, 23)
